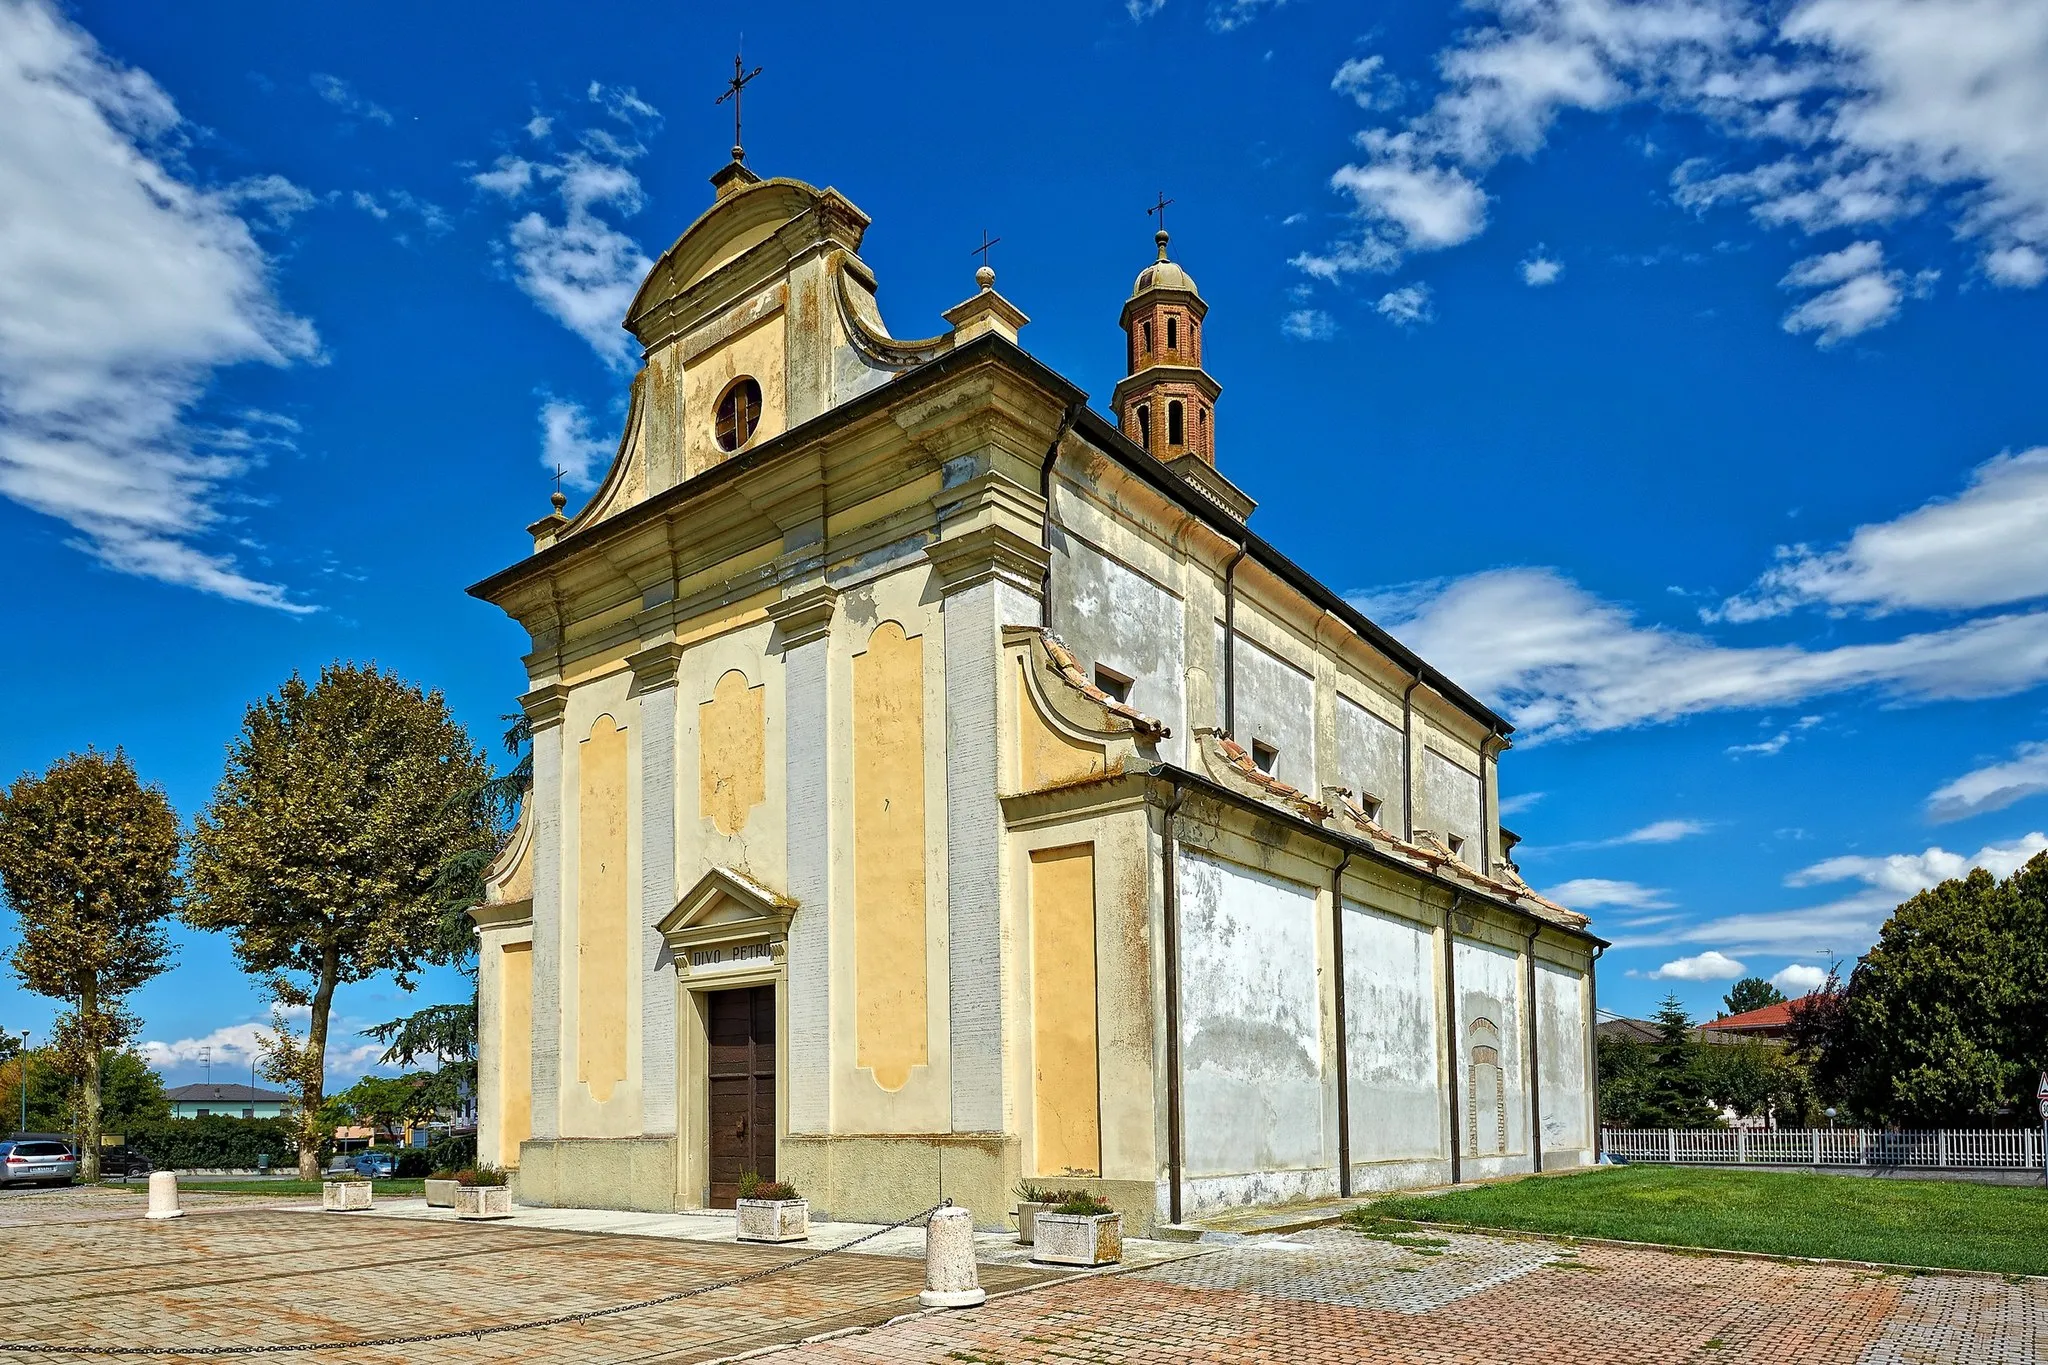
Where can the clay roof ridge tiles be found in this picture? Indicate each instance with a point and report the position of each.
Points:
(1067, 668)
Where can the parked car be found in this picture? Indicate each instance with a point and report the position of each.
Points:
(37, 1161)
(125, 1161)
(374, 1165)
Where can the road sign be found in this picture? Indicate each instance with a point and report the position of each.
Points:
(2044, 1109)
(2041, 1090)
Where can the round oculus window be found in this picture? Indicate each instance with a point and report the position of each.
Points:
(739, 412)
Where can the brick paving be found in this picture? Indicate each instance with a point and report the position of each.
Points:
(84, 1269)
(1330, 1295)
(96, 1273)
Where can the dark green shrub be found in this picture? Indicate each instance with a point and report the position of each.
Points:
(216, 1142)
(452, 1153)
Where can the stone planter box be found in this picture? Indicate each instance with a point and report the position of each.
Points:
(339, 1196)
(774, 1220)
(1027, 1214)
(483, 1201)
(441, 1194)
(1078, 1238)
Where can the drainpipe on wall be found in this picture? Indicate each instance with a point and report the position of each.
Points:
(1408, 761)
(1485, 826)
(1170, 909)
(1535, 1061)
(1593, 1008)
(1052, 456)
(1343, 1057)
(1451, 1025)
(1230, 640)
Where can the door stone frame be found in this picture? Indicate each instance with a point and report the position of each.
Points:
(726, 909)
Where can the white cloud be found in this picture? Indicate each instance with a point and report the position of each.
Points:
(1406, 306)
(1308, 324)
(1368, 82)
(343, 96)
(1592, 893)
(432, 218)
(1800, 979)
(566, 443)
(1776, 743)
(123, 287)
(539, 126)
(1860, 293)
(1835, 112)
(1707, 966)
(231, 1048)
(1515, 805)
(1562, 661)
(1985, 547)
(1900, 875)
(580, 269)
(1539, 269)
(1664, 832)
(2016, 267)
(1992, 787)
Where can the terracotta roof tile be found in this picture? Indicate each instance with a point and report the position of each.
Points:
(1061, 661)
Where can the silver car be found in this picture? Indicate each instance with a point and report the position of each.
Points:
(30, 1161)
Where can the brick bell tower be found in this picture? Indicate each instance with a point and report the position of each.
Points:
(1166, 401)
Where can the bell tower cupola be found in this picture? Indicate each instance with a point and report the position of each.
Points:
(1166, 401)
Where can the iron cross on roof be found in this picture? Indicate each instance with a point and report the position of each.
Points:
(733, 91)
(986, 242)
(1160, 209)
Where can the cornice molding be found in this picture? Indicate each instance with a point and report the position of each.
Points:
(544, 706)
(805, 615)
(988, 552)
(655, 666)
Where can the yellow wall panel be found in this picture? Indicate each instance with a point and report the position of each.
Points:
(1065, 1093)
(731, 753)
(515, 1050)
(1047, 757)
(889, 857)
(601, 940)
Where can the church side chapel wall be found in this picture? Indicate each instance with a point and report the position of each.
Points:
(1369, 752)
(1566, 1100)
(1448, 798)
(1493, 1094)
(1119, 614)
(1393, 1036)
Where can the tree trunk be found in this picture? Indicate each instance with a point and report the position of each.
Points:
(314, 1090)
(89, 1127)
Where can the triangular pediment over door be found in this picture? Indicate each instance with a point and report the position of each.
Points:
(727, 922)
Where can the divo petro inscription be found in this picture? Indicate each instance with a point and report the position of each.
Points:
(737, 955)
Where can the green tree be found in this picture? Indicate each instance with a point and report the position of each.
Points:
(130, 1091)
(447, 1033)
(1751, 993)
(322, 849)
(1625, 1065)
(1941, 1021)
(384, 1103)
(1676, 1094)
(89, 861)
(1757, 1079)
(52, 1099)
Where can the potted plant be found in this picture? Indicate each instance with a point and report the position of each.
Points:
(771, 1211)
(441, 1189)
(481, 1192)
(1081, 1231)
(1032, 1200)
(342, 1191)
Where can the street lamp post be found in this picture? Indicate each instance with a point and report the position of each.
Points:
(24, 1080)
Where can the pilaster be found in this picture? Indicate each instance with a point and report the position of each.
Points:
(654, 679)
(544, 708)
(803, 627)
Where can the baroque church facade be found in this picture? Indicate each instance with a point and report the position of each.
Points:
(938, 784)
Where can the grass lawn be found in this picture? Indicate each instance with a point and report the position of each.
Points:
(397, 1189)
(1952, 1224)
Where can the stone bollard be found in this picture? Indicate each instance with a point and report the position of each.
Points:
(163, 1195)
(950, 1280)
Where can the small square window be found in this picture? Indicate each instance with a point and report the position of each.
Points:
(1264, 756)
(1371, 805)
(1456, 843)
(1116, 684)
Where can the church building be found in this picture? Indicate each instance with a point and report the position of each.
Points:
(938, 784)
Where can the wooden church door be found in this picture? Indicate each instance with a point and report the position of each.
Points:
(742, 1080)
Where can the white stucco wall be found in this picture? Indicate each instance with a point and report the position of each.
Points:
(1449, 803)
(1489, 987)
(1108, 613)
(1561, 1056)
(1369, 759)
(1251, 1046)
(1276, 705)
(1390, 1037)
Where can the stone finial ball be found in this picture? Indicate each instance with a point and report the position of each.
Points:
(985, 277)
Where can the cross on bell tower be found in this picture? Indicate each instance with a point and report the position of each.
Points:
(735, 90)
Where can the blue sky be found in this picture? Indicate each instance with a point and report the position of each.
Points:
(1667, 372)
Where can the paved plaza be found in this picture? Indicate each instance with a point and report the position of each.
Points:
(82, 1268)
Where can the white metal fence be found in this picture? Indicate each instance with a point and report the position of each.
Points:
(1933, 1149)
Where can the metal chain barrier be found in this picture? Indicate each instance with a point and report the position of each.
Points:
(43, 1348)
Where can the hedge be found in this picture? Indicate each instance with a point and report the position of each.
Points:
(216, 1142)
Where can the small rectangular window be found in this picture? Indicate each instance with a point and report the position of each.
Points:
(1371, 805)
(1172, 334)
(1456, 843)
(248, 1113)
(202, 1113)
(1264, 756)
(1114, 683)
